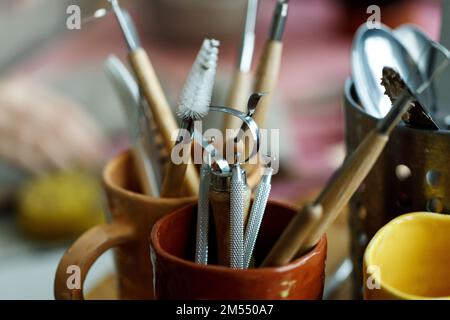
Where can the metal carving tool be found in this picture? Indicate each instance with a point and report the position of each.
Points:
(242, 79)
(269, 63)
(417, 116)
(256, 214)
(220, 196)
(220, 201)
(237, 204)
(252, 103)
(201, 252)
(151, 90)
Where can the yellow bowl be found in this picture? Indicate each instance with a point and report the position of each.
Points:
(409, 258)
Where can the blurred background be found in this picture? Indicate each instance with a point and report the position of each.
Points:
(60, 119)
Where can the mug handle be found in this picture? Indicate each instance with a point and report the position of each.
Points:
(83, 253)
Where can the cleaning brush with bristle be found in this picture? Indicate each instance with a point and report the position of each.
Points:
(193, 106)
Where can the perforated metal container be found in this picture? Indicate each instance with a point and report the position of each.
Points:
(412, 174)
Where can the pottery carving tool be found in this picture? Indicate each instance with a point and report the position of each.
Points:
(193, 106)
(242, 79)
(227, 225)
(417, 116)
(252, 103)
(220, 196)
(201, 252)
(238, 192)
(269, 63)
(268, 71)
(147, 164)
(151, 90)
(256, 214)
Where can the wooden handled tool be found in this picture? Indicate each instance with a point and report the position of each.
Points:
(242, 80)
(267, 73)
(219, 197)
(127, 89)
(162, 114)
(142, 172)
(269, 63)
(237, 97)
(299, 237)
(266, 77)
(152, 92)
(193, 106)
(294, 236)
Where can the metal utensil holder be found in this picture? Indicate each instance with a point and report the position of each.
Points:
(410, 175)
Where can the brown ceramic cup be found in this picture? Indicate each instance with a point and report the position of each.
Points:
(132, 218)
(178, 277)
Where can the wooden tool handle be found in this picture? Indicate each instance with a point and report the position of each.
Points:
(83, 253)
(347, 180)
(172, 187)
(154, 95)
(286, 248)
(161, 111)
(237, 98)
(254, 173)
(175, 173)
(247, 198)
(266, 78)
(332, 200)
(220, 205)
(180, 180)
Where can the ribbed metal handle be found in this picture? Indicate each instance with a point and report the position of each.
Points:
(201, 252)
(255, 219)
(237, 199)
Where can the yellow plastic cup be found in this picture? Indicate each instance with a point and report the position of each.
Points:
(409, 259)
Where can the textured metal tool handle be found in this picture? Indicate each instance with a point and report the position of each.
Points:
(255, 219)
(237, 199)
(201, 252)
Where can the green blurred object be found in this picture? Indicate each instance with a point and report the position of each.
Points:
(60, 205)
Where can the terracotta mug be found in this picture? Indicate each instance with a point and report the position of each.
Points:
(178, 277)
(409, 258)
(132, 218)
